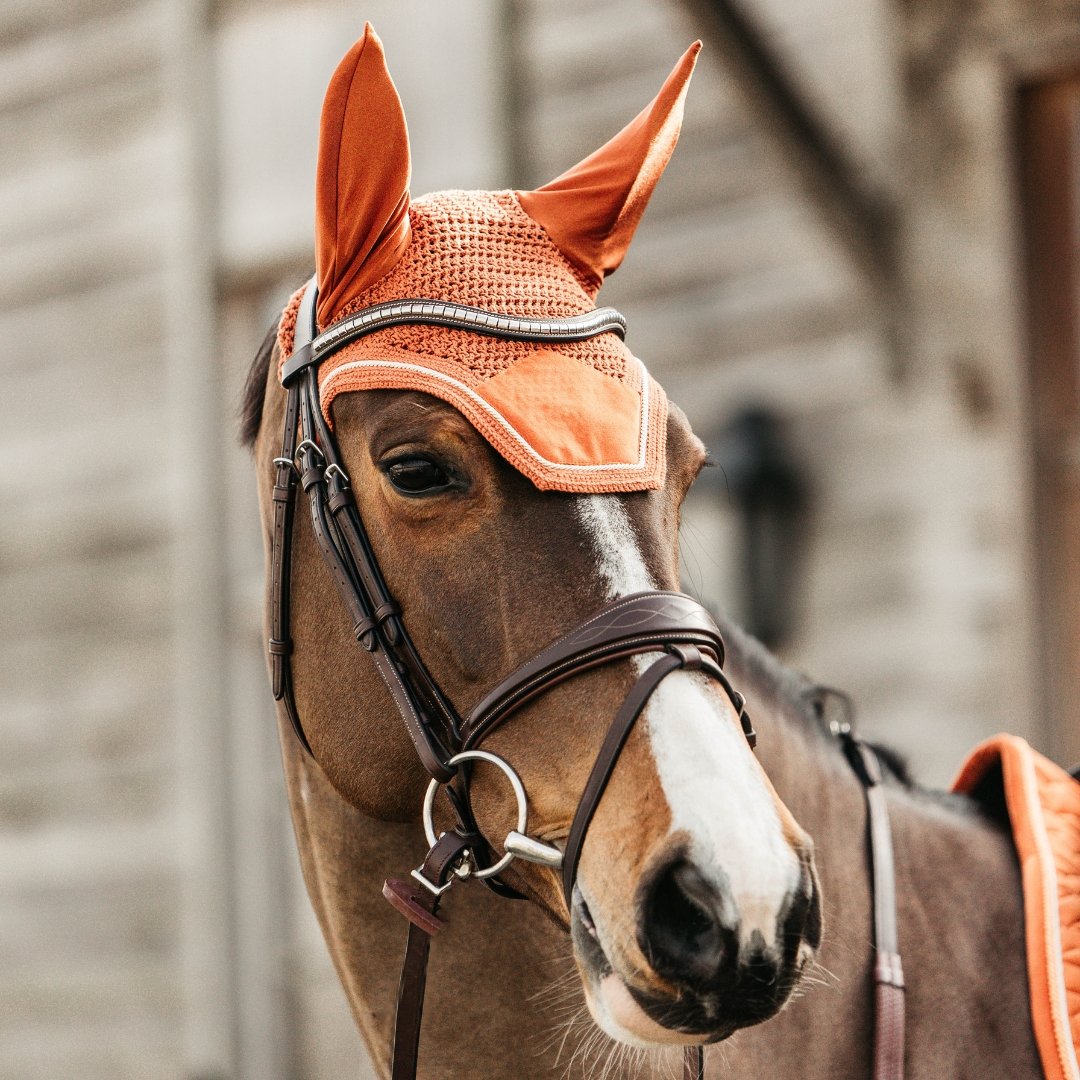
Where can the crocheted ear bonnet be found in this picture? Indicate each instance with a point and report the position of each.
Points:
(580, 416)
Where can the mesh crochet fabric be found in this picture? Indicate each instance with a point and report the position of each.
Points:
(585, 417)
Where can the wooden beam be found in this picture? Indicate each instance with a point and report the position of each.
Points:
(1047, 157)
(862, 220)
(199, 570)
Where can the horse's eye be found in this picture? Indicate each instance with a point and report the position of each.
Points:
(417, 476)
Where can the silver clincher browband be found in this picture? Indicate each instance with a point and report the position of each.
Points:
(454, 317)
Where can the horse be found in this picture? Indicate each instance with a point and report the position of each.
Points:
(695, 913)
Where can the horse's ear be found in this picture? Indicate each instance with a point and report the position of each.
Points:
(362, 179)
(592, 210)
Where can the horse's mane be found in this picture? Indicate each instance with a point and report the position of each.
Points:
(251, 401)
(811, 704)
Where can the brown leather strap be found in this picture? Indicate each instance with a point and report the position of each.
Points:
(311, 462)
(437, 868)
(410, 1002)
(677, 657)
(604, 765)
(352, 564)
(420, 311)
(889, 1023)
(385, 613)
(629, 625)
(889, 1003)
(284, 496)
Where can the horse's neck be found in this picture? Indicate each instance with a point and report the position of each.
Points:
(960, 923)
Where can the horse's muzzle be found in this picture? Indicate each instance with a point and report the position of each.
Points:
(724, 978)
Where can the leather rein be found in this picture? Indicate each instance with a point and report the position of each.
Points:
(674, 627)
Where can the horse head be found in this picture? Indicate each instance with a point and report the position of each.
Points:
(508, 490)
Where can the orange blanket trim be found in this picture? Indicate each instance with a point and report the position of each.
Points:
(1043, 801)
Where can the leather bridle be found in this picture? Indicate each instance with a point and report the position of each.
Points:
(674, 628)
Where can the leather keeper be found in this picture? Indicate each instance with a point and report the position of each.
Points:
(340, 499)
(888, 970)
(277, 677)
(365, 633)
(748, 728)
(385, 611)
(311, 476)
(298, 360)
(690, 656)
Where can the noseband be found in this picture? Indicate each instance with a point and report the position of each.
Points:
(674, 627)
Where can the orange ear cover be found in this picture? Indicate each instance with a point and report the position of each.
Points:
(592, 210)
(362, 178)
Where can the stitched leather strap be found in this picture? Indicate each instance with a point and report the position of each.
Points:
(455, 317)
(604, 765)
(634, 624)
(314, 463)
(413, 983)
(284, 496)
(889, 1003)
(618, 733)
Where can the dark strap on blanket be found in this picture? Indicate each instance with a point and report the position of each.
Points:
(889, 1007)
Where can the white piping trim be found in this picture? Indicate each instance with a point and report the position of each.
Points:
(643, 419)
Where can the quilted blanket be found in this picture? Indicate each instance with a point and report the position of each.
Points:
(1043, 803)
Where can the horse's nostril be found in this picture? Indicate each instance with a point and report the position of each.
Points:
(682, 931)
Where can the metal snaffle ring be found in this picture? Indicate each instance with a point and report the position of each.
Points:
(519, 794)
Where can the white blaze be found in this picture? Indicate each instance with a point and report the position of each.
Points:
(618, 557)
(713, 790)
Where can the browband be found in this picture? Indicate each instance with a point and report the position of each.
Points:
(453, 316)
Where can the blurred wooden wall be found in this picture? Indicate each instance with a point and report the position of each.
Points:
(155, 211)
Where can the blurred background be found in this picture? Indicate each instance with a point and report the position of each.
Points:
(859, 278)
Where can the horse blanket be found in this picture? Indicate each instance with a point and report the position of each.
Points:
(1043, 804)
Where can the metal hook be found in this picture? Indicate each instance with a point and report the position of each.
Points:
(334, 467)
(307, 444)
